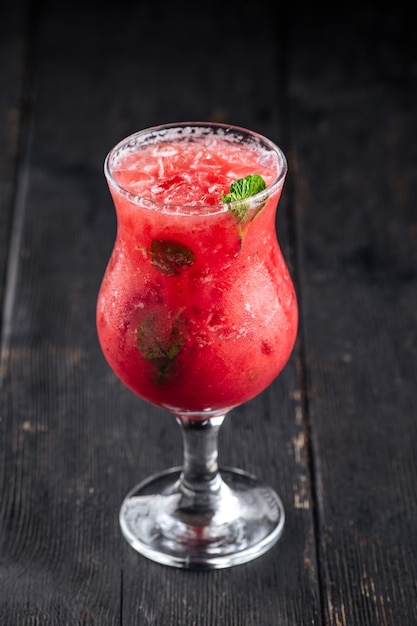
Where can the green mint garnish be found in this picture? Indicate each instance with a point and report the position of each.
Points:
(241, 190)
(244, 188)
(171, 257)
(159, 340)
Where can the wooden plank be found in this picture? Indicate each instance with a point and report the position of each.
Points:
(353, 102)
(12, 75)
(75, 439)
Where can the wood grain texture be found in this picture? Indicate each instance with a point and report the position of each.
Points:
(353, 117)
(13, 51)
(334, 434)
(74, 440)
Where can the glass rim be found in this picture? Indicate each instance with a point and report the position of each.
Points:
(202, 209)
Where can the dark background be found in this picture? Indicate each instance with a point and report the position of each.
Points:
(335, 87)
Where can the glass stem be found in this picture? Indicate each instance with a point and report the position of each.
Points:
(200, 479)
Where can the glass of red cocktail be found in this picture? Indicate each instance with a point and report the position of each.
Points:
(197, 314)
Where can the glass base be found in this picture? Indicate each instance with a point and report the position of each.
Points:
(240, 520)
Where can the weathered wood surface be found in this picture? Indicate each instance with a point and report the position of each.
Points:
(354, 126)
(335, 432)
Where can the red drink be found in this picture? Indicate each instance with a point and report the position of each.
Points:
(197, 311)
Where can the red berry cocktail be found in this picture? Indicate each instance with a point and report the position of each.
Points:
(197, 314)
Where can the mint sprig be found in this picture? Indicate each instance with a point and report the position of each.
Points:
(240, 190)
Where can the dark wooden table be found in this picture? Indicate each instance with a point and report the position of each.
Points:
(335, 434)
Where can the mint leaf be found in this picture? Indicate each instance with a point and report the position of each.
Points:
(242, 189)
(160, 340)
(171, 257)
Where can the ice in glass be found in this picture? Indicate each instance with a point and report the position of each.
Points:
(197, 314)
